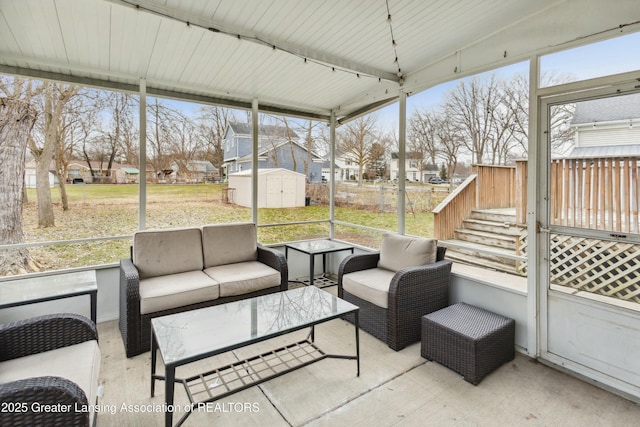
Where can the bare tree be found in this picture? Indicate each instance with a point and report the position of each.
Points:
(160, 135)
(17, 117)
(357, 140)
(471, 106)
(450, 141)
(423, 128)
(212, 123)
(57, 96)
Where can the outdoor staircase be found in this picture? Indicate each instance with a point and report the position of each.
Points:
(488, 238)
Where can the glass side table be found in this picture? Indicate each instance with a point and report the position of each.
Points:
(18, 292)
(317, 247)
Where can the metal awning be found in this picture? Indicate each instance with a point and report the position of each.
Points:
(301, 58)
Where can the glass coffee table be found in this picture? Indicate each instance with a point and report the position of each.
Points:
(317, 247)
(194, 335)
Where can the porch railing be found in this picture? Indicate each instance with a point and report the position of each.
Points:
(598, 193)
(450, 213)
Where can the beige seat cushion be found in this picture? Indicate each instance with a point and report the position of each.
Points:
(162, 252)
(79, 363)
(176, 290)
(229, 244)
(370, 285)
(398, 252)
(244, 277)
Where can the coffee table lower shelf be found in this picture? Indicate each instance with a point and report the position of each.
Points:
(227, 380)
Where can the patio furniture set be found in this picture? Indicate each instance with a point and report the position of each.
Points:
(193, 293)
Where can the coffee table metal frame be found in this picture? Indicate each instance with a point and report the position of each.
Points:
(249, 372)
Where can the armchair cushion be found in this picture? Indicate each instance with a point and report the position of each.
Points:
(163, 252)
(229, 244)
(244, 277)
(398, 252)
(79, 363)
(370, 285)
(176, 290)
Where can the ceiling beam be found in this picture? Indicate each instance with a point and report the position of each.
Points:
(244, 34)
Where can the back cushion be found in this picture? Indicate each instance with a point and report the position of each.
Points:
(398, 252)
(229, 244)
(162, 252)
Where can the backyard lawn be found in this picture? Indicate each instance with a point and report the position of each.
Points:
(105, 211)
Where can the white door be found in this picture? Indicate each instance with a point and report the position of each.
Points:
(590, 238)
(274, 191)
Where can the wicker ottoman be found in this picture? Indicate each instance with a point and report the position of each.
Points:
(468, 339)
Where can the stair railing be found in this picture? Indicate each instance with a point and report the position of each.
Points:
(457, 206)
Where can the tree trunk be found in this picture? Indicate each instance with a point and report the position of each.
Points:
(16, 121)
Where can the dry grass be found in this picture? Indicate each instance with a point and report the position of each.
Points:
(112, 210)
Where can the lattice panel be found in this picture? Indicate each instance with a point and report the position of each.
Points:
(597, 266)
(522, 244)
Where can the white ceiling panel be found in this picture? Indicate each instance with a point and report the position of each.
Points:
(190, 48)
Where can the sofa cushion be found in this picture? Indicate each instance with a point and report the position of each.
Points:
(229, 244)
(79, 363)
(398, 252)
(370, 285)
(162, 252)
(176, 290)
(244, 277)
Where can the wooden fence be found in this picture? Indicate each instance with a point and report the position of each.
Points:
(598, 193)
(450, 213)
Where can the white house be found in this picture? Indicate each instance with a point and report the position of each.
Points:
(413, 172)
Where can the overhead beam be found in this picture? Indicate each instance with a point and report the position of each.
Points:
(154, 91)
(270, 42)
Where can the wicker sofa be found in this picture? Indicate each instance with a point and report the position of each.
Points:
(176, 270)
(395, 287)
(49, 360)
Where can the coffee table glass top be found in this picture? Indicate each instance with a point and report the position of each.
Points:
(184, 336)
(319, 246)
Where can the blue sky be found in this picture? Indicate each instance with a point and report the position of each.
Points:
(613, 56)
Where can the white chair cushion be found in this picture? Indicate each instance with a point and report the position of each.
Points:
(370, 285)
(162, 252)
(79, 363)
(229, 244)
(398, 252)
(244, 277)
(176, 290)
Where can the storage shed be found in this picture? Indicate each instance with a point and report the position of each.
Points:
(277, 188)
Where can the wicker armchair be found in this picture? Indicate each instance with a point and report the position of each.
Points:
(32, 375)
(410, 293)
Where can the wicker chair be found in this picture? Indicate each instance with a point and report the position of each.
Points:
(411, 291)
(31, 378)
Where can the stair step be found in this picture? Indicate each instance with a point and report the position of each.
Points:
(504, 216)
(482, 251)
(492, 226)
(486, 238)
(456, 256)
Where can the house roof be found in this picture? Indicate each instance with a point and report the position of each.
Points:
(629, 150)
(305, 58)
(270, 131)
(625, 107)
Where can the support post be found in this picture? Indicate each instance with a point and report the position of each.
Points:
(332, 174)
(534, 284)
(254, 162)
(142, 185)
(402, 143)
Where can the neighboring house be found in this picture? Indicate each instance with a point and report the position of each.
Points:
(78, 169)
(30, 175)
(193, 171)
(345, 168)
(413, 172)
(276, 149)
(607, 127)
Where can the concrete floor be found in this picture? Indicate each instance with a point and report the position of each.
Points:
(394, 388)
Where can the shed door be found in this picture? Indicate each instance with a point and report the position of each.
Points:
(274, 191)
(289, 191)
(590, 264)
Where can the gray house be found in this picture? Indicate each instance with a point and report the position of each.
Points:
(278, 147)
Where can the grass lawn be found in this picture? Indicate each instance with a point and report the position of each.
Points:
(112, 210)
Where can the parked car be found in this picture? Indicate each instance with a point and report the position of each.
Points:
(436, 180)
(78, 181)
